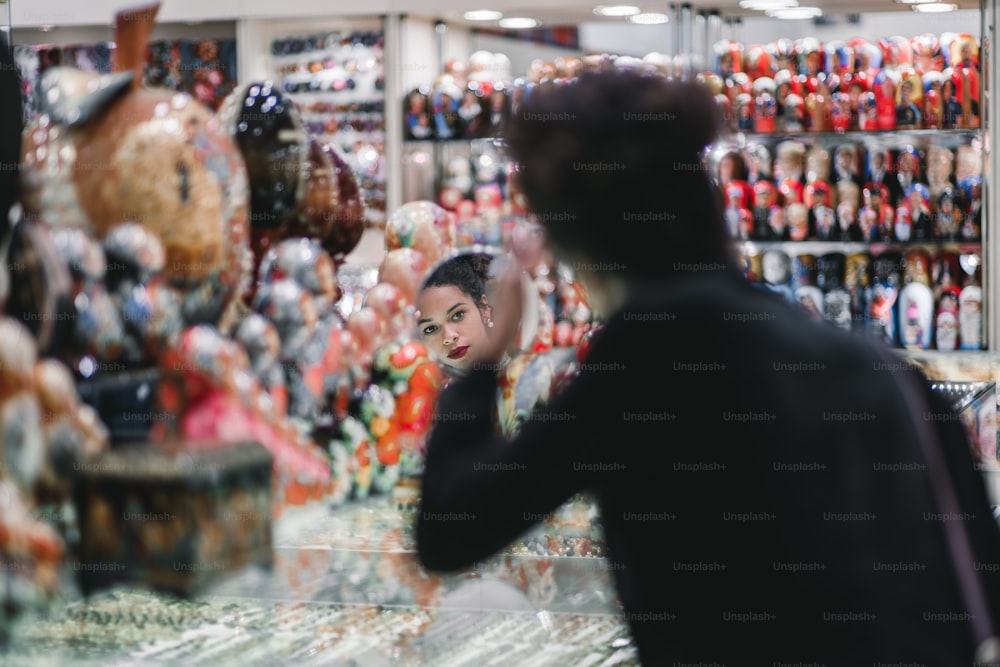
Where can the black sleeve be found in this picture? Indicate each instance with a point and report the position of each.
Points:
(983, 530)
(480, 491)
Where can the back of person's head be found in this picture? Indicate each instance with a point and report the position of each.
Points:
(613, 166)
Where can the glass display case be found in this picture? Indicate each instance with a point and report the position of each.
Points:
(346, 589)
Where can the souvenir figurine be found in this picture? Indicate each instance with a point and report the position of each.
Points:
(795, 113)
(968, 162)
(418, 115)
(945, 272)
(907, 173)
(884, 88)
(405, 268)
(728, 57)
(881, 305)
(790, 166)
(940, 166)
(759, 163)
(878, 172)
(919, 207)
(776, 271)
(731, 166)
(933, 109)
(837, 308)
(784, 54)
(909, 101)
(739, 219)
(946, 321)
(260, 339)
(965, 76)
(765, 198)
(804, 271)
(797, 216)
(817, 165)
(916, 312)
(777, 224)
(842, 114)
(876, 214)
(444, 109)
(839, 58)
(499, 110)
(765, 105)
(951, 108)
(757, 62)
(423, 226)
(948, 221)
(970, 317)
(857, 282)
(896, 52)
(868, 112)
(868, 57)
(819, 107)
(785, 85)
(818, 199)
(917, 267)
(847, 222)
(846, 164)
(304, 261)
(471, 124)
(810, 298)
(927, 55)
(902, 227)
(972, 187)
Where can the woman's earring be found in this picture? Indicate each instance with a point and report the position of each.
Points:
(490, 324)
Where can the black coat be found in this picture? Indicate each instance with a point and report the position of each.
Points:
(762, 490)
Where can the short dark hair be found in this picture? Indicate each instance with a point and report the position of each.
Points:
(468, 272)
(613, 164)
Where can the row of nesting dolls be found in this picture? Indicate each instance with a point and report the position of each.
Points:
(914, 300)
(802, 85)
(893, 198)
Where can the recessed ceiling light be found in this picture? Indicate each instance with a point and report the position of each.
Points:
(761, 5)
(649, 18)
(46, 28)
(518, 23)
(616, 10)
(795, 13)
(482, 15)
(935, 7)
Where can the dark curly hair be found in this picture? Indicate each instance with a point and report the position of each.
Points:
(469, 272)
(613, 164)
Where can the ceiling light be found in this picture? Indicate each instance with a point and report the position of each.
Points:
(935, 7)
(649, 18)
(482, 15)
(761, 5)
(46, 28)
(794, 13)
(616, 10)
(913, 2)
(518, 23)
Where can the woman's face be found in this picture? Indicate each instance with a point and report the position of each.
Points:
(451, 325)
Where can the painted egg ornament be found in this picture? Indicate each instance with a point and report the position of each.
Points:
(389, 301)
(405, 268)
(423, 226)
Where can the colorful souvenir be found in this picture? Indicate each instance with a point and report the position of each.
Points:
(933, 107)
(949, 218)
(909, 101)
(918, 206)
(916, 314)
(405, 268)
(946, 321)
(970, 317)
(423, 226)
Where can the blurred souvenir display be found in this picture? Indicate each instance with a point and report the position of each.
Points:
(203, 68)
(337, 82)
(856, 172)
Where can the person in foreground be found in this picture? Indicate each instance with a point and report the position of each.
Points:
(762, 478)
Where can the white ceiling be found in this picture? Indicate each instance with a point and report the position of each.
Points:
(567, 12)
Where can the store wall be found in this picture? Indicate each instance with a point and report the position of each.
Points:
(870, 26)
(64, 35)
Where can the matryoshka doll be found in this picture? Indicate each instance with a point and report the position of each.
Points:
(916, 314)
(776, 269)
(728, 57)
(933, 110)
(868, 57)
(765, 198)
(784, 54)
(948, 220)
(970, 317)
(841, 112)
(965, 76)
(909, 101)
(918, 206)
(884, 87)
(972, 187)
(818, 200)
(857, 282)
(417, 117)
(876, 215)
(927, 55)
(765, 105)
(946, 320)
(839, 58)
(759, 163)
(757, 62)
(836, 299)
(739, 218)
(797, 216)
(886, 280)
